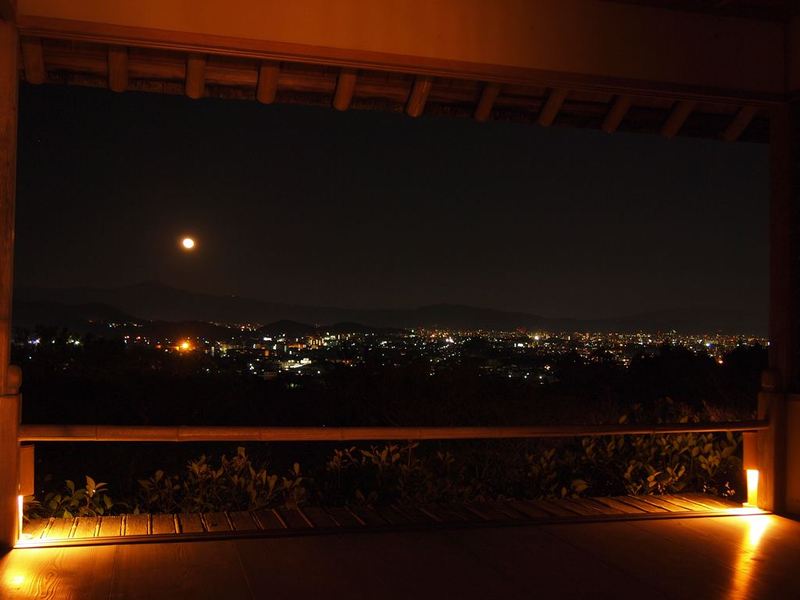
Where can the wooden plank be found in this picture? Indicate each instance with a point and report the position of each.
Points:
(33, 60)
(678, 506)
(86, 527)
(318, 517)
(583, 507)
(739, 123)
(487, 512)
(190, 523)
(195, 76)
(34, 528)
(216, 522)
(447, 514)
(418, 96)
(489, 93)
(712, 501)
(527, 508)
(59, 529)
(267, 87)
(163, 524)
(393, 516)
(619, 506)
(551, 107)
(137, 524)
(685, 504)
(242, 520)
(190, 433)
(117, 68)
(637, 503)
(554, 508)
(616, 113)
(658, 502)
(414, 515)
(110, 526)
(268, 519)
(293, 518)
(368, 515)
(680, 112)
(344, 517)
(345, 85)
(604, 509)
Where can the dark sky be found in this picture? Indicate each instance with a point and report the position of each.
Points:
(367, 209)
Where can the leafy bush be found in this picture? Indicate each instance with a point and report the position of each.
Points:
(232, 484)
(89, 501)
(458, 472)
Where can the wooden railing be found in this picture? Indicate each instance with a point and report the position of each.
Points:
(189, 433)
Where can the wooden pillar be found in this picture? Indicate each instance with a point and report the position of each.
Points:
(9, 377)
(778, 474)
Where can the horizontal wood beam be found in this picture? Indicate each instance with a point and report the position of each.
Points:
(345, 86)
(117, 68)
(680, 112)
(614, 56)
(739, 123)
(489, 94)
(267, 85)
(551, 107)
(33, 60)
(122, 433)
(418, 96)
(195, 76)
(616, 114)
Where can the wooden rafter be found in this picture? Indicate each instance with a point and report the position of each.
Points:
(551, 107)
(418, 96)
(739, 123)
(345, 86)
(680, 112)
(117, 68)
(484, 108)
(267, 86)
(195, 76)
(33, 60)
(616, 113)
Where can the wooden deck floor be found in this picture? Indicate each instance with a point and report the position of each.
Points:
(307, 520)
(708, 557)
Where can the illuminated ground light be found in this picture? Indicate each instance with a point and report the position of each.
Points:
(184, 346)
(187, 243)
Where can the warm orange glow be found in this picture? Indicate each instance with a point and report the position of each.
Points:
(752, 487)
(187, 243)
(184, 346)
(748, 557)
(19, 516)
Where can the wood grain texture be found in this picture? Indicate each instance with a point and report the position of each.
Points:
(267, 86)
(9, 398)
(483, 110)
(195, 76)
(117, 68)
(680, 112)
(418, 96)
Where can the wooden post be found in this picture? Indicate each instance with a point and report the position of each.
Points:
(9, 377)
(784, 268)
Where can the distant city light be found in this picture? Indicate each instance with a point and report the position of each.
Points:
(187, 243)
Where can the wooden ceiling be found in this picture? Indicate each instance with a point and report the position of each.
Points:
(773, 10)
(58, 61)
(120, 58)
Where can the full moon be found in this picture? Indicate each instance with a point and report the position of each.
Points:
(187, 243)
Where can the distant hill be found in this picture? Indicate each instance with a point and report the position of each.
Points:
(158, 302)
(80, 318)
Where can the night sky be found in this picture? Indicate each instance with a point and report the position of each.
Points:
(367, 209)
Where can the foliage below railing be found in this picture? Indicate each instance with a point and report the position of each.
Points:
(403, 473)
